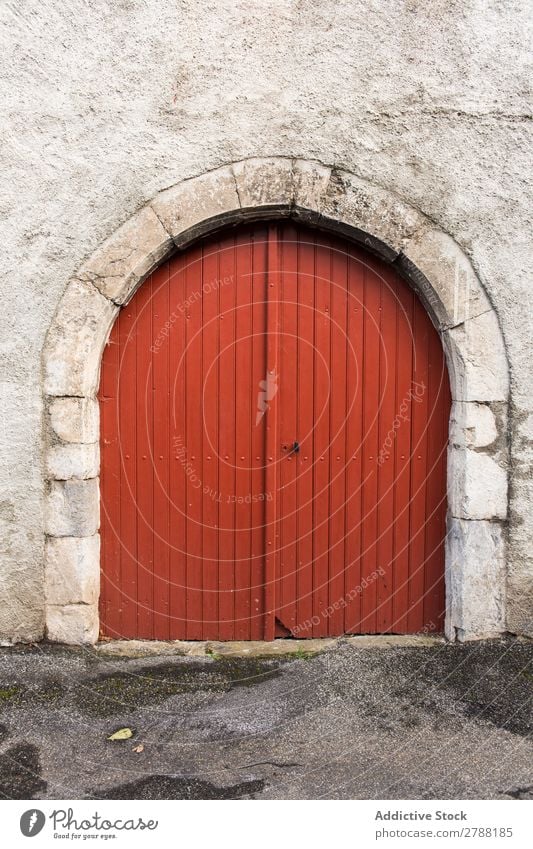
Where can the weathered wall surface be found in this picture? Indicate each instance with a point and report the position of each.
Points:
(108, 103)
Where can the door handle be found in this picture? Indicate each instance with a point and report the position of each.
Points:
(292, 449)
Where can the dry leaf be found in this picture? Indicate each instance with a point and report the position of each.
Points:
(139, 748)
(121, 734)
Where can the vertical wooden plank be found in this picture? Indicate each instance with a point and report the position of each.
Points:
(288, 419)
(226, 378)
(194, 441)
(258, 431)
(371, 402)
(337, 426)
(110, 476)
(304, 460)
(419, 436)
(161, 453)
(272, 431)
(177, 450)
(389, 425)
(210, 401)
(321, 451)
(402, 458)
(243, 428)
(444, 403)
(354, 443)
(127, 402)
(145, 462)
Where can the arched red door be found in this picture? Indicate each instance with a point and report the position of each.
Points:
(274, 414)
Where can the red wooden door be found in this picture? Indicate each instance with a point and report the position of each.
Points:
(274, 407)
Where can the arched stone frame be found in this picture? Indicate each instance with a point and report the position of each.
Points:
(334, 200)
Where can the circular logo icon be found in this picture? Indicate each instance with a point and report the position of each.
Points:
(32, 822)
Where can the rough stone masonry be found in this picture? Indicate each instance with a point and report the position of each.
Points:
(108, 105)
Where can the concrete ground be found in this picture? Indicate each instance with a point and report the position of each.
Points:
(363, 718)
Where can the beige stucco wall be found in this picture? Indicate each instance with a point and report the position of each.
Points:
(109, 103)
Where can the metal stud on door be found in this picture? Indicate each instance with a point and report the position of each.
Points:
(274, 406)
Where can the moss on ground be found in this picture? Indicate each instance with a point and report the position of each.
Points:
(127, 690)
(7, 693)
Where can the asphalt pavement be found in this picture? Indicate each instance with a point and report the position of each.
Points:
(357, 720)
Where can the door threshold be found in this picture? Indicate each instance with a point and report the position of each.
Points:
(259, 648)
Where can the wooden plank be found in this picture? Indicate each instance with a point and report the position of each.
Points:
(244, 391)
(305, 404)
(337, 427)
(270, 400)
(402, 458)
(210, 402)
(354, 443)
(177, 450)
(419, 438)
(259, 237)
(288, 423)
(128, 453)
(226, 423)
(194, 441)
(110, 477)
(371, 402)
(144, 462)
(389, 425)
(161, 452)
(321, 450)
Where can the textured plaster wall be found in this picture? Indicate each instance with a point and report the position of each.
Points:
(108, 103)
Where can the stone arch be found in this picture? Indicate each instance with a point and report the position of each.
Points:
(332, 199)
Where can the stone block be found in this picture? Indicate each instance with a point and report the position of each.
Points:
(72, 570)
(258, 648)
(74, 624)
(475, 561)
(75, 419)
(72, 508)
(265, 183)
(64, 462)
(384, 223)
(477, 485)
(76, 339)
(151, 648)
(118, 267)
(187, 208)
(478, 360)
(472, 425)
(457, 292)
(310, 181)
(520, 589)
